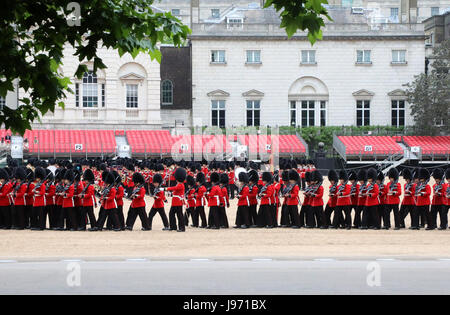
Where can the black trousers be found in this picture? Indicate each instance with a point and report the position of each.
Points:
(339, 218)
(253, 214)
(189, 212)
(6, 217)
(133, 213)
(417, 215)
(86, 212)
(199, 212)
(243, 216)
(432, 217)
(61, 216)
(120, 217)
(387, 215)
(302, 216)
(357, 218)
(293, 215)
(50, 210)
(19, 217)
(214, 217)
(176, 214)
(405, 210)
(35, 215)
(284, 221)
(162, 214)
(231, 190)
(327, 216)
(223, 219)
(370, 217)
(109, 213)
(314, 216)
(72, 218)
(274, 210)
(265, 215)
(27, 216)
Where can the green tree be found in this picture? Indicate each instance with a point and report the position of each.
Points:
(33, 35)
(301, 15)
(429, 94)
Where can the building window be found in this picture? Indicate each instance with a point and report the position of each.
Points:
(176, 12)
(90, 90)
(253, 113)
(132, 96)
(309, 56)
(398, 113)
(363, 113)
(218, 56)
(363, 56)
(103, 95)
(434, 11)
(167, 92)
(77, 94)
(215, 13)
(218, 113)
(323, 113)
(399, 56)
(2, 102)
(394, 15)
(308, 113)
(293, 113)
(253, 56)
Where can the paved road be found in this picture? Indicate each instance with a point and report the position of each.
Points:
(321, 276)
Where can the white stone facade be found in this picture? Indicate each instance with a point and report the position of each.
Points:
(113, 113)
(281, 78)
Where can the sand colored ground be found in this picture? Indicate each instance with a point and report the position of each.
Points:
(287, 243)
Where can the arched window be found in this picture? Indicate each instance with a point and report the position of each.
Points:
(167, 92)
(90, 89)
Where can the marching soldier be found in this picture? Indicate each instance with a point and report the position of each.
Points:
(137, 207)
(158, 205)
(438, 202)
(176, 209)
(393, 191)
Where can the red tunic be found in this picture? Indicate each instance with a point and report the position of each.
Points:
(200, 197)
(160, 197)
(50, 194)
(110, 201)
(120, 192)
(372, 196)
(423, 199)
(292, 198)
(214, 196)
(408, 199)
(68, 198)
(177, 194)
(19, 199)
(317, 199)
(244, 199)
(4, 195)
(89, 197)
(39, 196)
(343, 197)
(393, 198)
(139, 199)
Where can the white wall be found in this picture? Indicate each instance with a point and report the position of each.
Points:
(281, 67)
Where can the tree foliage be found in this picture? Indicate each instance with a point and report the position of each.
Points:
(301, 15)
(33, 35)
(429, 94)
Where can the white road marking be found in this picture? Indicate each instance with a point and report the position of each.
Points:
(324, 259)
(262, 259)
(8, 261)
(136, 259)
(200, 259)
(385, 259)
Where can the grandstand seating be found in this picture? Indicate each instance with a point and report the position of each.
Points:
(150, 141)
(370, 145)
(68, 141)
(429, 145)
(202, 143)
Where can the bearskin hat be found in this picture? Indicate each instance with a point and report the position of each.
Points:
(267, 177)
(316, 176)
(343, 175)
(362, 175)
(215, 177)
(180, 174)
(253, 176)
(117, 177)
(352, 175)
(243, 177)
(109, 179)
(380, 176)
(415, 174)
(372, 174)
(447, 173)
(104, 174)
(157, 178)
(49, 175)
(285, 176)
(406, 173)
(276, 176)
(200, 178)
(39, 172)
(438, 173)
(138, 178)
(293, 175)
(3, 174)
(307, 177)
(88, 175)
(224, 178)
(190, 180)
(393, 173)
(332, 176)
(20, 173)
(30, 174)
(159, 167)
(424, 174)
(68, 175)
